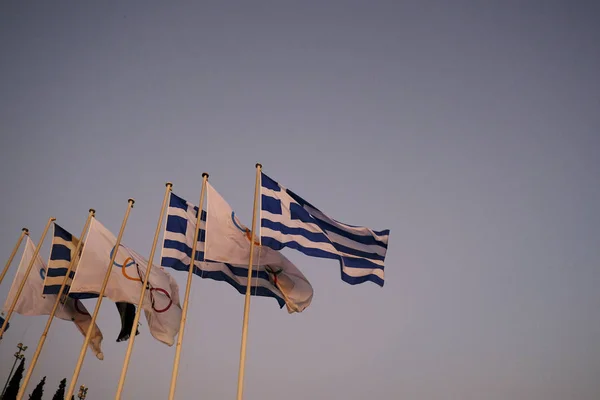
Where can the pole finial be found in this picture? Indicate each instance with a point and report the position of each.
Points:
(52, 219)
(92, 211)
(205, 174)
(169, 184)
(258, 165)
(26, 231)
(131, 200)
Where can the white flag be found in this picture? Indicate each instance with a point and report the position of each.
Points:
(228, 241)
(33, 302)
(161, 302)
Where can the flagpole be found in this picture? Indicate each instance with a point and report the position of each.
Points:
(187, 290)
(132, 335)
(24, 232)
(42, 340)
(98, 303)
(22, 285)
(240, 388)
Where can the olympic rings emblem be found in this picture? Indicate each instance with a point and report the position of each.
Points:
(242, 228)
(43, 273)
(129, 261)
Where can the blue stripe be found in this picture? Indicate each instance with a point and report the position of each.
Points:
(254, 290)
(355, 280)
(176, 264)
(57, 272)
(184, 248)
(269, 183)
(178, 202)
(62, 233)
(60, 252)
(360, 263)
(317, 238)
(53, 289)
(286, 230)
(319, 253)
(273, 205)
(358, 253)
(176, 224)
(83, 296)
(368, 240)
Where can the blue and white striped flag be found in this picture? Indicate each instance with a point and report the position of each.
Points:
(287, 220)
(63, 247)
(177, 251)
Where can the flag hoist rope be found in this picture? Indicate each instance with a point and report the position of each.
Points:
(22, 285)
(98, 304)
(132, 334)
(187, 290)
(58, 301)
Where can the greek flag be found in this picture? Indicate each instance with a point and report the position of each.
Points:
(287, 220)
(63, 247)
(177, 252)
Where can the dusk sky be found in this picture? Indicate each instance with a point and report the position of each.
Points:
(469, 129)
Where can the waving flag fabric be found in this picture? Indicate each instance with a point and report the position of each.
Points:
(33, 302)
(161, 304)
(287, 220)
(279, 278)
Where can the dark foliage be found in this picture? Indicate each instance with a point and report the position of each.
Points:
(15, 382)
(38, 392)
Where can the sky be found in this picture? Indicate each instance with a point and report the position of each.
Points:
(467, 128)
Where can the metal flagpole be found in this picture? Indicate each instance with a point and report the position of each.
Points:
(169, 186)
(240, 388)
(24, 232)
(98, 304)
(22, 285)
(38, 350)
(187, 291)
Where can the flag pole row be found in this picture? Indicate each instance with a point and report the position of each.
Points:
(175, 372)
(360, 250)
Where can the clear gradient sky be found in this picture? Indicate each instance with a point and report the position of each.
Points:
(469, 129)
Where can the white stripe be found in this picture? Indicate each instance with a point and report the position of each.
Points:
(378, 262)
(286, 200)
(304, 242)
(367, 248)
(356, 230)
(213, 267)
(178, 237)
(335, 237)
(68, 243)
(56, 280)
(292, 223)
(58, 264)
(358, 272)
